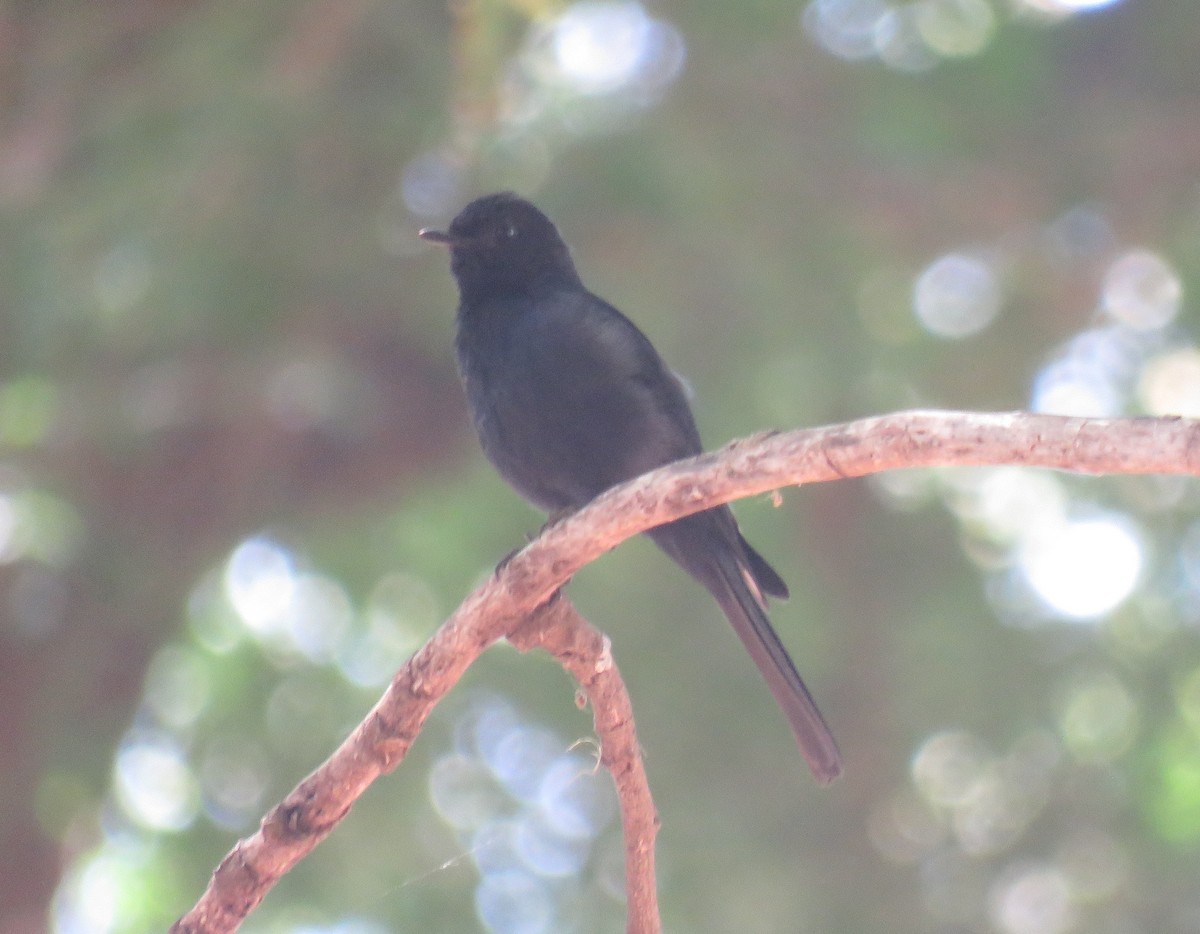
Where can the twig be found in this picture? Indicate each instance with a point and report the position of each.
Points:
(744, 468)
(585, 652)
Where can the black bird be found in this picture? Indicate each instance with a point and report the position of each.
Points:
(570, 398)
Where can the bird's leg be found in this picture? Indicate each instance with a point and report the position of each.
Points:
(553, 519)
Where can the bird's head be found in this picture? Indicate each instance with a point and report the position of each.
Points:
(501, 244)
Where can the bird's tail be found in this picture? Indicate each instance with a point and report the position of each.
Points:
(742, 605)
(738, 581)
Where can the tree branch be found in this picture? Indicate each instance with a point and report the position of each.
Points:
(585, 652)
(526, 582)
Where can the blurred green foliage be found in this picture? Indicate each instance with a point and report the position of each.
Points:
(218, 332)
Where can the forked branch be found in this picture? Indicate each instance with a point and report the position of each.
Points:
(514, 603)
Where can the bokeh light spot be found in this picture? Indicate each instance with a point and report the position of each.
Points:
(1094, 373)
(154, 784)
(956, 296)
(1187, 698)
(955, 28)
(1175, 803)
(178, 686)
(605, 49)
(899, 43)
(28, 409)
(906, 36)
(494, 846)
(91, 898)
(319, 618)
(545, 851)
(903, 829)
(1189, 556)
(260, 581)
(1067, 387)
(846, 28)
(598, 47)
(234, 776)
(522, 757)
(1082, 234)
(947, 766)
(575, 798)
(1032, 899)
(514, 903)
(1170, 383)
(37, 525)
(463, 792)
(290, 611)
(529, 810)
(213, 623)
(1059, 8)
(1084, 569)
(400, 609)
(1009, 504)
(9, 525)
(986, 801)
(1142, 290)
(432, 185)
(1097, 718)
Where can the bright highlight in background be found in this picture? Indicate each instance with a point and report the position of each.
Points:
(908, 36)
(600, 48)
(955, 28)
(1065, 7)
(1170, 383)
(1142, 290)
(914, 35)
(154, 784)
(282, 606)
(1084, 569)
(1033, 899)
(260, 581)
(529, 809)
(588, 69)
(956, 296)
(609, 50)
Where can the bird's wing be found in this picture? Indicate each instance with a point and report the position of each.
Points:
(614, 405)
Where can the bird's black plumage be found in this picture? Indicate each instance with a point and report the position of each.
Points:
(569, 398)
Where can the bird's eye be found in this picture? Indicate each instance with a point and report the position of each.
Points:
(510, 231)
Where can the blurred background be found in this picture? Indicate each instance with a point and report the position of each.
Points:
(238, 486)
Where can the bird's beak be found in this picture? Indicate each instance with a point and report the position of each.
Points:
(436, 236)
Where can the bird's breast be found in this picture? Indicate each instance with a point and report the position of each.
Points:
(564, 409)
